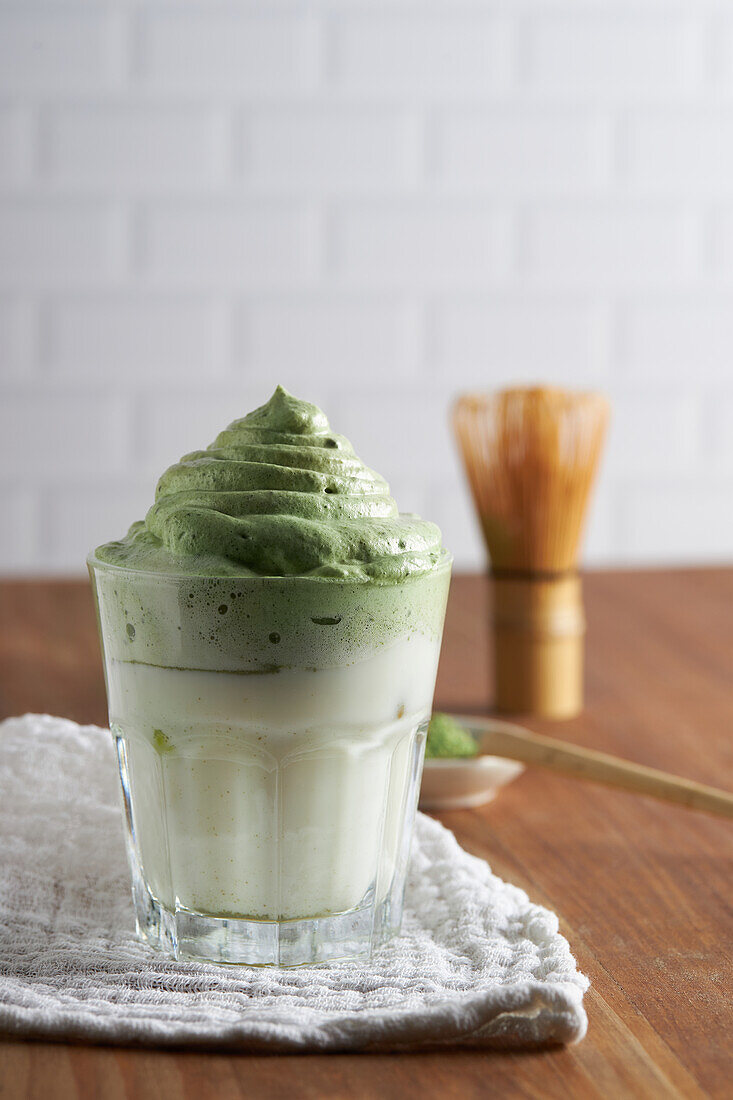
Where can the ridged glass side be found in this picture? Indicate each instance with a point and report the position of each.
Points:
(355, 893)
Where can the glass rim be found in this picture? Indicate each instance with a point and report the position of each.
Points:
(93, 562)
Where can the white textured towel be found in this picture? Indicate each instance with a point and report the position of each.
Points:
(476, 964)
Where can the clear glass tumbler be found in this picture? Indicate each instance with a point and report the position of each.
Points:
(270, 734)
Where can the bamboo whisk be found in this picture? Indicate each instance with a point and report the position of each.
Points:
(531, 456)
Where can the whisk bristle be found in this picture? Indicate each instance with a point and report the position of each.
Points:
(531, 456)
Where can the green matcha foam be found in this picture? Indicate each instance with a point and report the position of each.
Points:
(278, 494)
(274, 548)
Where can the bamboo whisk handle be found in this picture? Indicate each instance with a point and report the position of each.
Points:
(539, 632)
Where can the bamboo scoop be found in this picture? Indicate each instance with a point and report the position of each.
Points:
(515, 743)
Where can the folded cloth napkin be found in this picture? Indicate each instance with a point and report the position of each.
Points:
(477, 964)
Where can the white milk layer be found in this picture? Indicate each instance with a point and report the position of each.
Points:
(274, 796)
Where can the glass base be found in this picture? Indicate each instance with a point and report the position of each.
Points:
(183, 933)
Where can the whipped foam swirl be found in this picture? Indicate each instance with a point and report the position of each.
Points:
(278, 494)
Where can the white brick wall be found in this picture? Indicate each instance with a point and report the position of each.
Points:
(430, 54)
(681, 152)
(677, 339)
(378, 205)
(143, 336)
(124, 148)
(210, 48)
(19, 531)
(514, 148)
(227, 244)
(519, 338)
(613, 244)
(54, 243)
(615, 50)
(18, 331)
(409, 243)
(357, 147)
(64, 50)
(318, 335)
(15, 145)
(51, 437)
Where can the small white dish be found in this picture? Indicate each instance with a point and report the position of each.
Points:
(460, 783)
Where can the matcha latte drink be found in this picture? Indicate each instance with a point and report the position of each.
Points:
(271, 635)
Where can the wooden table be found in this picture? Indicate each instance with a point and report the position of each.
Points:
(643, 890)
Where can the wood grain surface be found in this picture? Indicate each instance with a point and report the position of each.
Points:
(643, 890)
